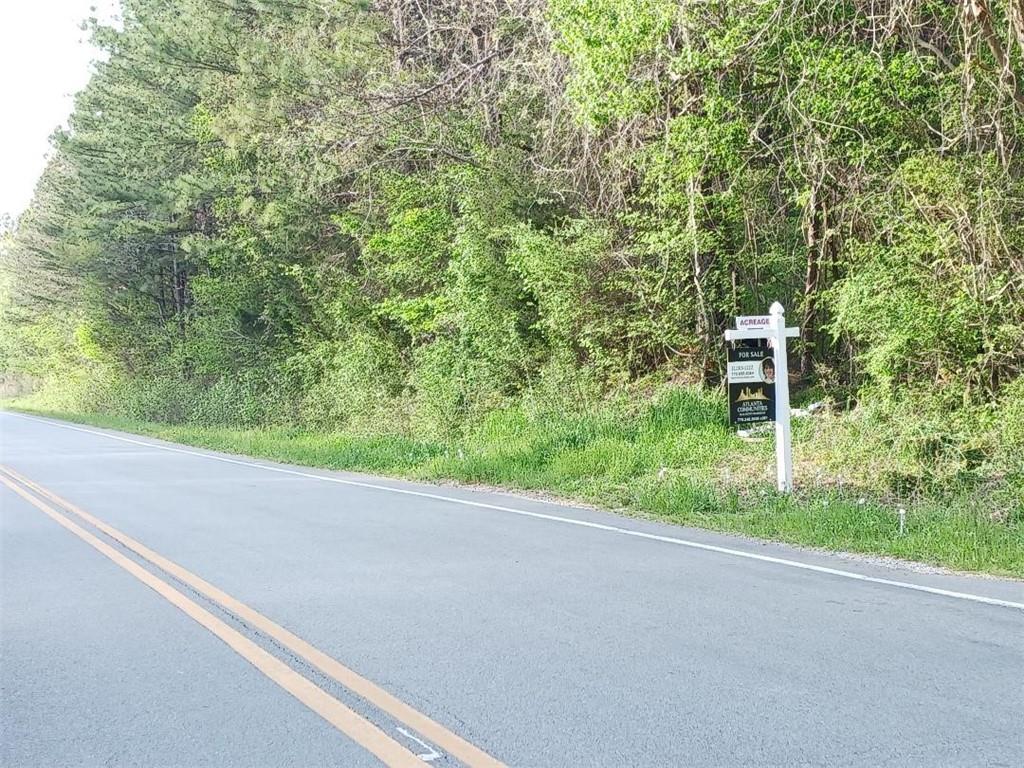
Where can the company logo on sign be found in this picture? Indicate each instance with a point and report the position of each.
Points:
(747, 394)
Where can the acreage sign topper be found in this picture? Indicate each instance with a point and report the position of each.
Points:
(751, 385)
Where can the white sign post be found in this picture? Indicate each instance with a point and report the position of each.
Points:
(783, 436)
(773, 327)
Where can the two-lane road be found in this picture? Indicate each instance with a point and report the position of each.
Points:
(166, 606)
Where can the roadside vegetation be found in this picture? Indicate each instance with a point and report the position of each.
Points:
(499, 242)
(668, 454)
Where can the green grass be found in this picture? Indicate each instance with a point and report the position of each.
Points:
(671, 458)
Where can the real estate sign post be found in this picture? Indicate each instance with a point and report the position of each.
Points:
(759, 382)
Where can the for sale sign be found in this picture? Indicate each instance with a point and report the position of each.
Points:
(751, 385)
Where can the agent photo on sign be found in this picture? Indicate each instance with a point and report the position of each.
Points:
(768, 370)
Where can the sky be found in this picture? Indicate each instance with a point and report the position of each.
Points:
(44, 60)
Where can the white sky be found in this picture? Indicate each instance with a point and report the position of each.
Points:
(44, 60)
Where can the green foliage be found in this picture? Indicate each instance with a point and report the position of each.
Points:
(949, 318)
(429, 218)
(609, 45)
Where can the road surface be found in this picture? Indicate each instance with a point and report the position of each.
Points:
(167, 606)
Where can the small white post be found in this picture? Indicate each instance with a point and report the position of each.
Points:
(783, 447)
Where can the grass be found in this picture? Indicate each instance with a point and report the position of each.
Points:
(671, 458)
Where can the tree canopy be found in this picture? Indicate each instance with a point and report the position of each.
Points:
(339, 211)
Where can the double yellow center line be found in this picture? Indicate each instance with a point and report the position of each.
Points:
(359, 729)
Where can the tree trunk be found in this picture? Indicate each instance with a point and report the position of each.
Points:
(702, 325)
(977, 13)
(179, 275)
(814, 227)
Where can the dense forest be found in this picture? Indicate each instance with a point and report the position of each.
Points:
(405, 214)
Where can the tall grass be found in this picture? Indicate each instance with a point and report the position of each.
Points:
(673, 458)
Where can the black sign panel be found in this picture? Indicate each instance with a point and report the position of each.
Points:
(751, 385)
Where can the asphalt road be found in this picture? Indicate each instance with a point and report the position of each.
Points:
(532, 634)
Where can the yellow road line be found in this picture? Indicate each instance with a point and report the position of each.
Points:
(360, 730)
(471, 755)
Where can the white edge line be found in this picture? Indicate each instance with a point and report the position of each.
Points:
(554, 518)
